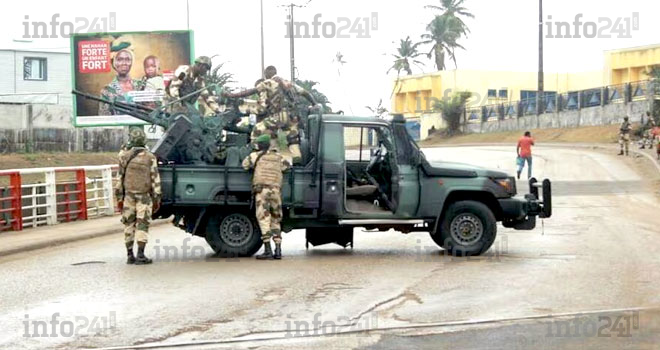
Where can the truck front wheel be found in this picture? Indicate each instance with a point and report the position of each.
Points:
(468, 228)
(233, 235)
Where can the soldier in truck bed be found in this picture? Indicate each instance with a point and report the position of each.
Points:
(188, 79)
(277, 100)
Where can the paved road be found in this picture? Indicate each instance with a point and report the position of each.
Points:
(596, 261)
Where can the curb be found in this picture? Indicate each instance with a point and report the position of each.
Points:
(60, 241)
(555, 145)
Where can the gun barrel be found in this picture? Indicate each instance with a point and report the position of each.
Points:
(134, 110)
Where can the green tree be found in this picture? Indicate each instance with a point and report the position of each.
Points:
(455, 9)
(654, 86)
(309, 85)
(217, 76)
(452, 110)
(443, 34)
(406, 53)
(379, 111)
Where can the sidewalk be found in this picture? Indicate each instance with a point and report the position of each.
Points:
(12, 242)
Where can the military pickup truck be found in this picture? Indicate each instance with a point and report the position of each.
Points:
(356, 172)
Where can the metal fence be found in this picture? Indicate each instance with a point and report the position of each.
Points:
(47, 196)
(567, 101)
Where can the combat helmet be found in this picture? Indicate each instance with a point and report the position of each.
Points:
(137, 137)
(205, 60)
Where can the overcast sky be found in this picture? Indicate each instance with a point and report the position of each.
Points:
(504, 36)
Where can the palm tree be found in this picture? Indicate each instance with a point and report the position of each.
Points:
(406, 52)
(453, 8)
(379, 111)
(215, 76)
(318, 96)
(452, 110)
(443, 33)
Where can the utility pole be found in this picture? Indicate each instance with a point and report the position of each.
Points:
(540, 100)
(291, 34)
(187, 15)
(293, 61)
(262, 39)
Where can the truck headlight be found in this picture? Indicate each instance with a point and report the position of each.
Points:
(508, 184)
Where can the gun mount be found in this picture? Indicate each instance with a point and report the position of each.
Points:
(190, 138)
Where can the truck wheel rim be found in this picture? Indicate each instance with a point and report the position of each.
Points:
(466, 229)
(236, 230)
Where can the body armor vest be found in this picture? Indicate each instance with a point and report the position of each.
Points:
(268, 170)
(137, 176)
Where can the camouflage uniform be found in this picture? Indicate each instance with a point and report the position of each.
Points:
(647, 133)
(624, 135)
(113, 92)
(277, 98)
(138, 187)
(268, 164)
(181, 87)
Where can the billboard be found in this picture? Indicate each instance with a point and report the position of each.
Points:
(132, 67)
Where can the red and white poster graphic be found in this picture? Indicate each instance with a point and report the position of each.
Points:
(168, 75)
(93, 56)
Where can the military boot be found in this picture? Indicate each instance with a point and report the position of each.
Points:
(267, 254)
(620, 153)
(141, 258)
(129, 252)
(278, 251)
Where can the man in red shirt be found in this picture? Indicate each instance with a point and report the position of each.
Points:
(524, 150)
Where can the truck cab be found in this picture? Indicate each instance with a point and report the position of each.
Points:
(356, 172)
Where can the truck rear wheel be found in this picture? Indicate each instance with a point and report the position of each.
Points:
(468, 228)
(233, 235)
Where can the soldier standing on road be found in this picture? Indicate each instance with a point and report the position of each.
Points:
(268, 164)
(624, 135)
(138, 194)
(189, 79)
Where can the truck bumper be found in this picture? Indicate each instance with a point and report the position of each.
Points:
(521, 213)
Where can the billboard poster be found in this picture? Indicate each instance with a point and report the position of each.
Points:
(131, 67)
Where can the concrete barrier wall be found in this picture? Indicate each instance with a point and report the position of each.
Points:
(49, 128)
(591, 116)
(64, 140)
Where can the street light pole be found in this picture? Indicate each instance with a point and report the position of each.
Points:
(540, 100)
(293, 64)
(262, 38)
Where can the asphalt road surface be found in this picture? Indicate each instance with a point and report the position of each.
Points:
(589, 277)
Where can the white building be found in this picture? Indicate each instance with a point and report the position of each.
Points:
(33, 74)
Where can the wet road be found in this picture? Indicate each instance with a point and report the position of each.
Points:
(597, 260)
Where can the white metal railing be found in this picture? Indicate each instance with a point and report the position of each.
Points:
(46, 201)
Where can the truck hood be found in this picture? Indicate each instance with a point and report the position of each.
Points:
(459, 170)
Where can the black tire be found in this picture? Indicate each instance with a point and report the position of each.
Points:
(474, 229)
(234, 235)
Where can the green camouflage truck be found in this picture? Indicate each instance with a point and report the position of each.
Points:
(356, 172)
